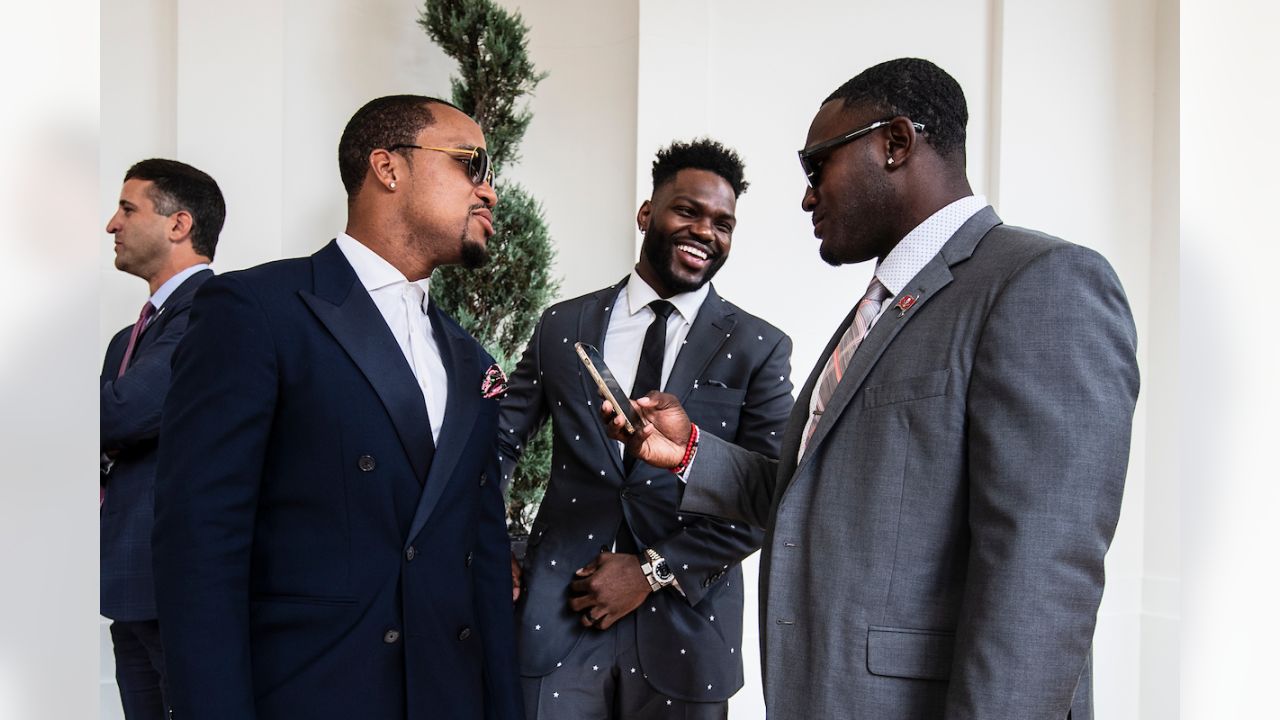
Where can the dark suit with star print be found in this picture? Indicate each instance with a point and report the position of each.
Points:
(733, 375)
(316, 555)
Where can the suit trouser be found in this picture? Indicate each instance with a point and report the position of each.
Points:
(139, 668)
(602, 679)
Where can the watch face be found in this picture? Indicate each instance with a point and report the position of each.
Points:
(662, 572)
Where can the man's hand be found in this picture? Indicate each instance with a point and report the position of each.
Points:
(608, 588)
(515, 578)
(662, 441)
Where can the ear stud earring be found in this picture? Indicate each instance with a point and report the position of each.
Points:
(890, 162)
(393, 182)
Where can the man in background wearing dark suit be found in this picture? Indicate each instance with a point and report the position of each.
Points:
(951, 476)
(329, 539)
(651, 625)
(166, 228)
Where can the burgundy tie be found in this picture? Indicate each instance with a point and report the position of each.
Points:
(148, 311)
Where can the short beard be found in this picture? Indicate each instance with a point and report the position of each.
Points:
(660, 251)
(475, 254)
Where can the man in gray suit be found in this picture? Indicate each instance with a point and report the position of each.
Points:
(950, 479)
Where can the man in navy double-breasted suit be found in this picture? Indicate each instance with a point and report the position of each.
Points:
(329, 537)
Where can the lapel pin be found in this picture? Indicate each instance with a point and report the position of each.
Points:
(905, 304)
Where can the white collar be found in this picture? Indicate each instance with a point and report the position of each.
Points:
(915, 250)
(373, 270)
(639, 295)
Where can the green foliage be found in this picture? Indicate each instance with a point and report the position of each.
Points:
(500, 303)
(492, 50)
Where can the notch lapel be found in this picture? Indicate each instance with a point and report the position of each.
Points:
(935, 275)
(593, 322)
(710, 329)
(346, 310)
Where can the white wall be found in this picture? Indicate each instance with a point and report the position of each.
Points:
(1071, 132)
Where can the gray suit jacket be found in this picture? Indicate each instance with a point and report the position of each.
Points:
(938, 552)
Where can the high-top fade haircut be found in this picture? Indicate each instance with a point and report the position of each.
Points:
(178, 186)
(921, 91)
(700, 154)
(382, 123)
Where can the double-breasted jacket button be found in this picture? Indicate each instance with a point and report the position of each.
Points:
(464, 633)
(366, 463)
(467, 561)
(391, 637)
(411, 553)
(484, 478)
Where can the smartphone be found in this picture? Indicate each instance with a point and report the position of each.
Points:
(608, 386)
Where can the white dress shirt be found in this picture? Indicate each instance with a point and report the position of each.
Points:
(403, 305)
(630, 320)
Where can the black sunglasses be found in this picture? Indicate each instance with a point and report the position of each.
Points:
(811, 166)
(479, 168)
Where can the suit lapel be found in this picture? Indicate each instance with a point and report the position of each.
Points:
(346, 310)
(461, 363)
(178, 300)
(593, 322)
(710, 329)
(935, 275)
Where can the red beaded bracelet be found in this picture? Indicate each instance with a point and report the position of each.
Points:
(688, 451)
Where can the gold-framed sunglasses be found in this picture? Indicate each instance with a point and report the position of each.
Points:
(479, 168)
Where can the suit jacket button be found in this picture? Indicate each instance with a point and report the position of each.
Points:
(464, 633)
(468, 560)
(411, 553)
(391, 637)
(484, 478)
(366, 463)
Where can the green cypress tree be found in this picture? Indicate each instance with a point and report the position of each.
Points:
(500, 303)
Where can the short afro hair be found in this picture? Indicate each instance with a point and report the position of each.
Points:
(178, 186)
(381, 123)
(700, 154)
(921, 91)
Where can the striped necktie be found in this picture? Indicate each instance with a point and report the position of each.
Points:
(833, 372)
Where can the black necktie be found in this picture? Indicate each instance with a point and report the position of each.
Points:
(649, 371)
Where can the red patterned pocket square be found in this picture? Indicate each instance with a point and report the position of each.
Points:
(494, 384)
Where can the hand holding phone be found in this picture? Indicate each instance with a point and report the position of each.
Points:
(608, 386)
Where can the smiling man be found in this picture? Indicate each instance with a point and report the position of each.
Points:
(629, 608)
(329, 537)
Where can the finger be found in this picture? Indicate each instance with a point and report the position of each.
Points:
(604, 622)
(578, 603)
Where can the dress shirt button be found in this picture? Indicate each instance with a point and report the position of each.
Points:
(366, 463)
(468, 560)
(464, 633)
(411, 553)
(391, 637)
(484, 478)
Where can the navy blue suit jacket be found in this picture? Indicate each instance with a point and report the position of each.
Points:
(313, 559)
(130, 412)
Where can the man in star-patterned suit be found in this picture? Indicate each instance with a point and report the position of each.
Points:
(631, 609)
